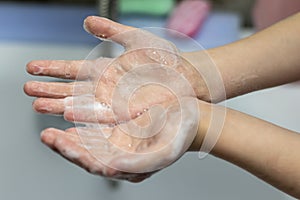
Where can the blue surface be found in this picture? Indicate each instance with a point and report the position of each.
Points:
(219, 29)
(45, 23)
(63, 24)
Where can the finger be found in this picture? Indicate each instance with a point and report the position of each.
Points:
(72, 130)
(127, 36)
(96, 112)
(92, 139)
(80, 109)
(95, 141)
(69, 148)
(80, 69)
(57, 89)
(89, 115)
(141, 163)
(49, 136)
(139, 178)
(105, 28)
(49, 106)
(131, 177)
(98, 142)
(87, 109)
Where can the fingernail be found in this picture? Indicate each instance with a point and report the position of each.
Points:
(47, 136)
(37, 69)
(44, 110)
(85, 24)
(85, 27)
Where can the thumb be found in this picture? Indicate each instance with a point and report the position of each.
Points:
(127, 36)
(105, 28)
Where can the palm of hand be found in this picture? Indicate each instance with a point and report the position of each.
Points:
(124, 94)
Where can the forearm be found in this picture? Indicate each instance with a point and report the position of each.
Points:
(266, 59)
(265, 150)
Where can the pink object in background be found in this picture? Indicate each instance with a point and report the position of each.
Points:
(268, 12)
(188, 16)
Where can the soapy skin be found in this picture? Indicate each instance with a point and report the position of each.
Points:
(134, 114)
(111, 152)
(148, 67)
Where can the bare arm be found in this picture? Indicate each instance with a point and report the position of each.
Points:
(266, 59)
(269, 152)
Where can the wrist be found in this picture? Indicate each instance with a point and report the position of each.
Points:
(203, 125)
(203, 74)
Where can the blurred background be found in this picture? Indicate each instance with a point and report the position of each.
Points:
(51, 29)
